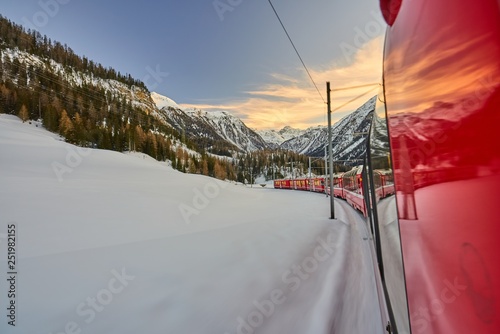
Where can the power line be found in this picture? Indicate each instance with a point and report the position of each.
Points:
(353, 87)
(354, 99)
(296, 51)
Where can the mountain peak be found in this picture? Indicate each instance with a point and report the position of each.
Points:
(162, 101)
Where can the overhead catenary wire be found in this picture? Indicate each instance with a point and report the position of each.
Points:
(354, 99)
(296, 51)
(354, 87)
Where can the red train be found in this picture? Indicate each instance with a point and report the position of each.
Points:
(348, 186)
(435, 127)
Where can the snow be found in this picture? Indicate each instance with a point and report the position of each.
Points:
(163, 101)
(120, 243)
(229, 127)
(136, 95)
(279, 137)
(313, 140)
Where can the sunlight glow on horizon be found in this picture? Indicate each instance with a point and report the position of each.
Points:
(289, 101)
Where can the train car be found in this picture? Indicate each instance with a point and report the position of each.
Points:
(282, 184)
(352, 183)
(338, 187)
(318, 184)
(387, 179)
(301, 184)
(437, 239)
(383, 182)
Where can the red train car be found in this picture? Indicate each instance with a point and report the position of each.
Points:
(442, 107)
(383, 183)
(338, 186)
(301, 184)
(347, 186)
(282, 184)
(352, 182)
(318, 184)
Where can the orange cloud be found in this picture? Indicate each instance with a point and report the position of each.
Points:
(295, 101)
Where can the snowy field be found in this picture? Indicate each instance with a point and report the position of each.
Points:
(114, 243)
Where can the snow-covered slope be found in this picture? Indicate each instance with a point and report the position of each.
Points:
(163, 101)
(276, 138)
(108, 243)
(213, 126)
(230, 128)
(138, 97)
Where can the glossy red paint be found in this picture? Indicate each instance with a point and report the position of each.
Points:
(390, 10)
(442, 93)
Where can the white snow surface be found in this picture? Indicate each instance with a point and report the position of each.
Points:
(279, 137)
(163, 101)
(106, 248)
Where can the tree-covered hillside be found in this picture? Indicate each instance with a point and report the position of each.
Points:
(93, 106)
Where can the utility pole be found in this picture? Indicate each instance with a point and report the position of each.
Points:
(330, 149)
(326, 170)
(310, 175)
(251, 180)
(272, 158)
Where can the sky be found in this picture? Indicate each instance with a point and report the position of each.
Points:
(226, 54)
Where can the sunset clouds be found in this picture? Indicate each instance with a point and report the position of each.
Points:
(294, 101)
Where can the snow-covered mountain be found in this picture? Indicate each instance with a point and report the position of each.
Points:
(230, 128)
(275, 138)
(99, 96)
(72, 78)
(348, 136)
(213, 128)
(163, 101)
(209, 128)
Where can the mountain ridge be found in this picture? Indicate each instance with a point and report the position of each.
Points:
(348, 144)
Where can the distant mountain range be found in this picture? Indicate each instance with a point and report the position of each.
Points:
(94, 106)
(348, 136)
(220, 126)
(209, 129)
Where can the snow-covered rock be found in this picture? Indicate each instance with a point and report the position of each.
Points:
(211, 126)
(348, 136)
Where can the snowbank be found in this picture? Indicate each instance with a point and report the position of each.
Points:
(115, 243)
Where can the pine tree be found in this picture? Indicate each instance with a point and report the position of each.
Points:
(192, 167)
(66, 126)
(204, 170)
(23, 113)
(79, 130)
